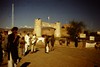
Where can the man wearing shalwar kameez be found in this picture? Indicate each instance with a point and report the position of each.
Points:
(13, 41)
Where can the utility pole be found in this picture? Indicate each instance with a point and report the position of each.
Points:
(12, 25)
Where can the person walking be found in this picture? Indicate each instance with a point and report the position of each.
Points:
(12, 46)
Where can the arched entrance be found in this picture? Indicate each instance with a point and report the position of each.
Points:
(39, 24)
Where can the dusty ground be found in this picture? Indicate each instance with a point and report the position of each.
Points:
(62, 56)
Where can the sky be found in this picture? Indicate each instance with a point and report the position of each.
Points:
(26, 11)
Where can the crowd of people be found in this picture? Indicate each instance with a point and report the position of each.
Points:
(11, 42)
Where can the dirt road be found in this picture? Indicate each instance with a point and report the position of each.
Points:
(62, 57)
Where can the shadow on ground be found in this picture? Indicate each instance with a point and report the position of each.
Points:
(25, 64)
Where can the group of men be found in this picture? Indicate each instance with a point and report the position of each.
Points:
(9, 45)
(12, 41)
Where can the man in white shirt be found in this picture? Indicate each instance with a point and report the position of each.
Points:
(27, 40)
(34, 40)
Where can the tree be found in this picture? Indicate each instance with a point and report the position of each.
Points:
(74, 29)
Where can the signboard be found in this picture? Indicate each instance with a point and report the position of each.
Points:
(82, 35)
(92, 38)
(90, 44)
(98, 32)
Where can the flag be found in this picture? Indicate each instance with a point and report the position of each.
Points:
(48, 18)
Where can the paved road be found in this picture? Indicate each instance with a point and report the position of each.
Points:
(62, 57)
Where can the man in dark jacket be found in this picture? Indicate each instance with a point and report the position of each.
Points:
(13, 41)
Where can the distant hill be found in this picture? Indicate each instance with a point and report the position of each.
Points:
(1, 29)
(26, 29)
(20, 29)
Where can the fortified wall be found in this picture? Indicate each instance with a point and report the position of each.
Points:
(39, 24)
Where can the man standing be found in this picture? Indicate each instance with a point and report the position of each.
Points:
(4, 43)
(47, 40)
(22, 45)
(13, 41)
(1, 53)
(33, 46)
(27, 44)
